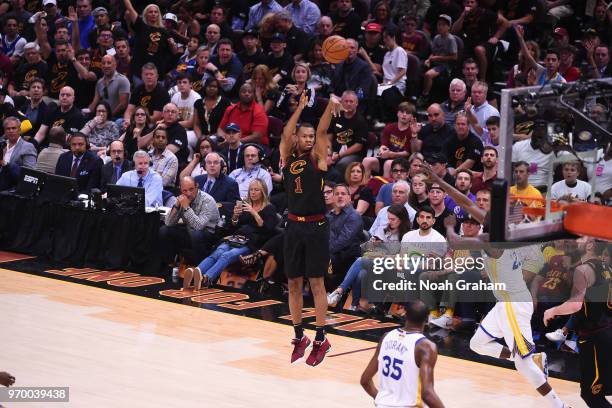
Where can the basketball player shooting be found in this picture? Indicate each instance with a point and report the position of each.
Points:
(404, 360)
(510, 318)
(306, 243)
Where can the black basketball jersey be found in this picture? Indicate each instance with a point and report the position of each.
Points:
(596, 311)
(303, 183)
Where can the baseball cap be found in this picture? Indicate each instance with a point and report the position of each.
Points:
(561, 31)
(99, 10)
(446, 17)
(232, 127)
(171, 16)
(250, 33)
(436, 157)
(278, 37)
(591, 32)
(45, 2)
(374, 27)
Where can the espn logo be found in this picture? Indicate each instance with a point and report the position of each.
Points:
(30, 179)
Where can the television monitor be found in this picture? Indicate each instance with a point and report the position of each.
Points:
(125, 196)
(30, 182)
(58, 189)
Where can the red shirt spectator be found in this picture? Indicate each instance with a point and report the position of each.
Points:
(249, 115)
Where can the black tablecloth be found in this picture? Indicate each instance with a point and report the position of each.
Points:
(79, 236)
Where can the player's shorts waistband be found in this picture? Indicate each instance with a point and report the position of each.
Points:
(306, 218)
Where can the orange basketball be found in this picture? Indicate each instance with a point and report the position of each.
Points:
(335, 49)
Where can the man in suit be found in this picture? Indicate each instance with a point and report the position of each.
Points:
(222, 188)
(81, 164)
(17, 151)
(112, 171)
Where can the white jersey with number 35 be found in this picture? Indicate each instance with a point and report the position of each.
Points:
(400, 383)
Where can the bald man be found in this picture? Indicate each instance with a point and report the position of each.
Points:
(112, 171)
(432, 137)
(66, 116)
(113, 88)
(200, 215)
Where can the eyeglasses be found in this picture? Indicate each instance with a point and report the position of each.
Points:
(328, 191)
(213, 162)
(399, 171)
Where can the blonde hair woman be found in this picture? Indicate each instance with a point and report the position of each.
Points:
(266, 90)
(152, 42)
(254, 220)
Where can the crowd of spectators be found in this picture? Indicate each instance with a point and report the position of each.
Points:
(188, 99)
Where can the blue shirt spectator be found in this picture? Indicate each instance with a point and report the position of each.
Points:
(305, 14)
(344, 228)
(151, 181)
(259, 10)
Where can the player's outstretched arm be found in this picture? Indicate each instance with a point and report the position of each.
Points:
(460, 199)
(426, 355)
(289, 130)
(334, 108)
(367, 376)
(584, 278)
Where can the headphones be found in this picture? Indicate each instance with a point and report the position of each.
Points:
(260, 151)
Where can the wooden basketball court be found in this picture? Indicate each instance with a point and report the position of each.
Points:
(119, 350)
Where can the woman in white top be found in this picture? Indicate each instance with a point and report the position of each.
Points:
(399, 224)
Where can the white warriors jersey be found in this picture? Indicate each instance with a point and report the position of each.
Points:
(400, 383)
(508, 270)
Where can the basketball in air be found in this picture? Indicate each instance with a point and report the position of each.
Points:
(335, 49)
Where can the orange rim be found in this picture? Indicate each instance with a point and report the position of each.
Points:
(589, 220)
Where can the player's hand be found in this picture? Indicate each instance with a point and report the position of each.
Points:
(6, 379)
(548, 316)
(450, 221)
(426, 169)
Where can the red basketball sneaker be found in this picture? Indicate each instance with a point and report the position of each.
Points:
(299, 349)
(319, 349)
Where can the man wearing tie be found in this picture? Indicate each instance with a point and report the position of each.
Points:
(80, 163)
(112, 171)
(143, 177)
(221, 187)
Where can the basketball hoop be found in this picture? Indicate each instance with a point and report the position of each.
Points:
(588, 219)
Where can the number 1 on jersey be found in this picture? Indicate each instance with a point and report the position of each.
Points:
(298, 185)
